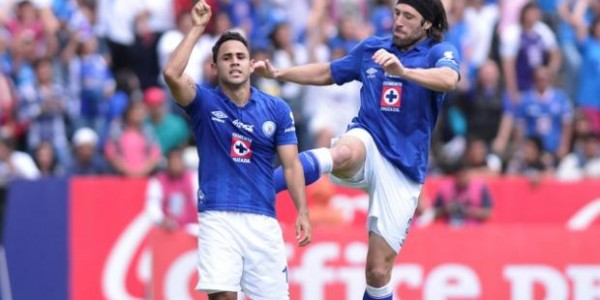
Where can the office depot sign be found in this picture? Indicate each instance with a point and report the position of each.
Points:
(110, 242)
(437, 263)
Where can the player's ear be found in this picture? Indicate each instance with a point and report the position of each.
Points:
(426, 25)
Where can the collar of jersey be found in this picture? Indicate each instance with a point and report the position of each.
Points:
(253, 95)
(424, 45)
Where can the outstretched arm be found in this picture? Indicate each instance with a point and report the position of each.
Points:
(310, 74)
(182, 86)
(442, 79)
(294, 177)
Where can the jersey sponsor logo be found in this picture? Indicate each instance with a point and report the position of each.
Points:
(388, 75)
(268, 128)
(391, 96)
(371, 72)
(218, 116)
(449, 56)
(241, 125)
(241, 148)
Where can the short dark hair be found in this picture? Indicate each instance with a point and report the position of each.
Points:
(228, 36)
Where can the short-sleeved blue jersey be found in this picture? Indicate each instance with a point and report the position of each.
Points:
(399, 114)
(237, 148)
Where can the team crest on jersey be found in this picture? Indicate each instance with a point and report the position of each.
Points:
(268, 128)
(391, 96)
(241, 148)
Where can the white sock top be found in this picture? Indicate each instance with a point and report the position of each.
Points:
(380, 292)
(324, 158)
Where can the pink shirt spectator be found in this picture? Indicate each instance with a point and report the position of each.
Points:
(134, 149)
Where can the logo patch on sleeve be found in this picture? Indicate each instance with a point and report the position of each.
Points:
(391, 96)
(241, 148)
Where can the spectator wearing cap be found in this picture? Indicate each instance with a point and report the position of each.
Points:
(170, 129)
(85, 159)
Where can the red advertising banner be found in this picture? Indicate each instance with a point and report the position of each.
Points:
(108, 233)
(490, 262)
(527, 250)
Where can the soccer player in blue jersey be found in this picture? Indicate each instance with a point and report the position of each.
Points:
(238, 131)
(405, 77)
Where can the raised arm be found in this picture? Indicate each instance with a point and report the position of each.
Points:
(294, 178)
(182, 86)
(578, 19)
(310, 74)
(442, 79)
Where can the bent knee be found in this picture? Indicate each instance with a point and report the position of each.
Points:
(378, 276)
(348, 158)
(342, 155)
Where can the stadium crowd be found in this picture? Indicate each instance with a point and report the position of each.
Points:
(81, 91)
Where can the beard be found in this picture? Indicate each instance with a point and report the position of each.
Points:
(411, 40)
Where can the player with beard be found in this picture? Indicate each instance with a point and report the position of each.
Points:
(405, 77)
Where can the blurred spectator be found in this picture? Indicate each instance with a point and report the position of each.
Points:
(532, 161)
(335, 108)
(347, 35)
(588, 99)
(545, 111)
(567, 39)
(45, 107)
(241, 13)
(464, 199)
(15, 164)
(5, 55)
(132, 149)
(153, 18)
(481, 19)
(525, 47)
(46, 161)
(170, 129)
(582, 163)
(483, 105)
(115, 24)
(127, 90)
(86, 159)
(459, 36)
(90, 81)
(10, 125)
(171, 194)
(480, 161)
(382, 18)
(35, 25)
(287, 53)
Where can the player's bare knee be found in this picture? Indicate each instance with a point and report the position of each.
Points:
(378, 276)
(342, 156)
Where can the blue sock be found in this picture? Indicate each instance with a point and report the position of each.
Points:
(310, 164)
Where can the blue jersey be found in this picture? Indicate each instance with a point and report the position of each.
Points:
(545, 117)
(237, 148)
(399, 114)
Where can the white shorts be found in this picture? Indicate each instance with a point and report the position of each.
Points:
(242, 252)
(393, 197)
